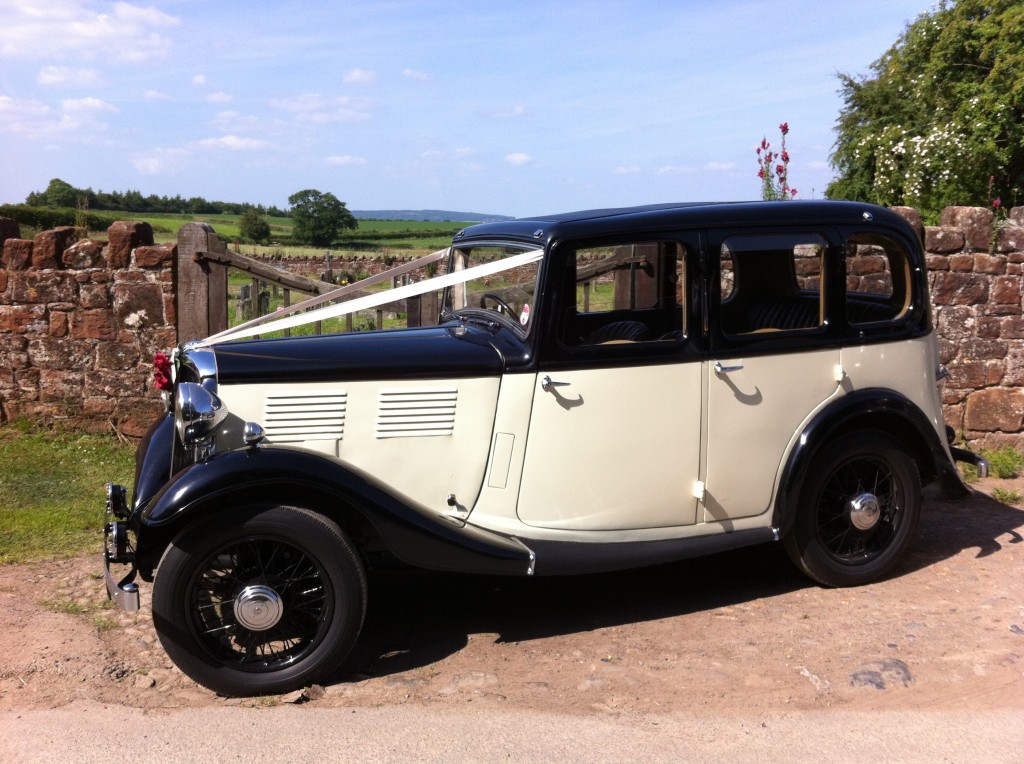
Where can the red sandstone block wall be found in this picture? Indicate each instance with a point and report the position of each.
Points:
(79, 323)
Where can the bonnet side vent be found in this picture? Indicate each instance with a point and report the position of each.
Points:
(416, 413)
(295, 417)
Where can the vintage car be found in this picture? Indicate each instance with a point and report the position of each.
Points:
(602, 390)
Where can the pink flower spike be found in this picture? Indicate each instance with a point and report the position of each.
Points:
(997, 203)
(785, 156)
(784, 128)
(792, 192)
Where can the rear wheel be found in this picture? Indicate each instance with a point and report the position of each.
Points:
(259, 600)
(858, 510)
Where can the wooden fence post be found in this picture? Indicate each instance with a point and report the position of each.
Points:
(422, 310)
(202, 288)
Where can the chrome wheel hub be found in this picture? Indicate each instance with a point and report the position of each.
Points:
(258, 608)
(865, 511)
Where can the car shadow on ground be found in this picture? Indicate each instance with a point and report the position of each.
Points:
(417, 618)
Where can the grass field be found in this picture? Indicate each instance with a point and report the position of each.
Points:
(372, 236)
(52, 491)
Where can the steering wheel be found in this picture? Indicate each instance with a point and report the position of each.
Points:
(502, 305)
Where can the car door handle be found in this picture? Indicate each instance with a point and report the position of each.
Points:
(719, 369)
(547, 383)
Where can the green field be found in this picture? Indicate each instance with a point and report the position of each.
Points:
(372, 236)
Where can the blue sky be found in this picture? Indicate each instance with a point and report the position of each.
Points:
(507, 108)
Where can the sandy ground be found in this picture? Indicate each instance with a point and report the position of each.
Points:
(732, 645)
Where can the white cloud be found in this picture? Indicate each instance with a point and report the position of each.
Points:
(511, 112)
(129, 13)
(232, 143)
(720, 166)
(676, 170)
(25, 116)
(160, 161)
(64, 75)
(88, 104)
(119, 32)
(199, 80)
(220, 97)
(360, 77)
(232, 122)
(518, 158)
(463, 152)
(412, 74)
(77, 119)
(631, 170)
(318, 109)
(155, 95)
(345, 160)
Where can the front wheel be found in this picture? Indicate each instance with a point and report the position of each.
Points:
(858, 510)
(259, 600)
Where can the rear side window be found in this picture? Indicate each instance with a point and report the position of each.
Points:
(772, 283)
(877, 279)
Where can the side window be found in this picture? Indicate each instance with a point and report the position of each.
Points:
(627, 293)
(877, 279)
(771, 283)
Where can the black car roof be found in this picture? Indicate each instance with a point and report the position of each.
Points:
(543, 228)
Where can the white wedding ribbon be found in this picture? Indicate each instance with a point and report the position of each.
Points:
(374, 300)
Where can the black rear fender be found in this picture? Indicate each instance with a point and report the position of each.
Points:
(881, 410)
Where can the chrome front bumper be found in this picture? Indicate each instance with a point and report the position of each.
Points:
(124, 593)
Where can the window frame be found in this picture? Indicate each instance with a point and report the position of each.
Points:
(556, 353)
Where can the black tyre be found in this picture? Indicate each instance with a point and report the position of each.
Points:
(858, 510)
(259, 600)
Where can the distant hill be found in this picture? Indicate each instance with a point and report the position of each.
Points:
(432, 216)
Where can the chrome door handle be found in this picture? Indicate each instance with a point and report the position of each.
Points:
(719, 369)
(547, 383)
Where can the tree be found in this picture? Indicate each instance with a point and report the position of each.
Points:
(941, 119)
(318, 218)
(254, 226)
(58, 193)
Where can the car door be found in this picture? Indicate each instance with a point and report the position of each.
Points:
(614, 435)
(773, 361)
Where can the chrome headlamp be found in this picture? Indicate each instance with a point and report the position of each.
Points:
(197, 414)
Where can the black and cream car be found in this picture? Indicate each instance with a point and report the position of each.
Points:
(602, 390)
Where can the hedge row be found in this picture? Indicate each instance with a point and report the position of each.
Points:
(45, 218)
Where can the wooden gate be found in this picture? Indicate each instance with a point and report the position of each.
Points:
(202, 285)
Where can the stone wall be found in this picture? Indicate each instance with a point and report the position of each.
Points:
(79, 323)
(976, 276)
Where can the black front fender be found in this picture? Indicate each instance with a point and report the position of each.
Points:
(411, 533)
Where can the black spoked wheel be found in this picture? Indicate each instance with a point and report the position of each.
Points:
(259, 601)
(858, 511)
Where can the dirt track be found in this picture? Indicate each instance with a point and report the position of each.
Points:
(736, 635)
